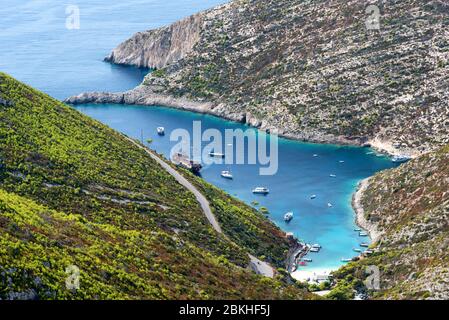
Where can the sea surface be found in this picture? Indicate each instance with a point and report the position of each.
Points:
(304, 170)
(36, 46)
(38, 49)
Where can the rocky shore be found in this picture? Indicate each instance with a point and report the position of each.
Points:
(160, 47)
(360, 218)
(144, 95)
(270, 72)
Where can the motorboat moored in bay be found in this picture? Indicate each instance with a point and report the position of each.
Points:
(161, 131)
(216, 155)
(227, 175)
(288, 216)
(364, 244)
(261, 190)
(363, 234)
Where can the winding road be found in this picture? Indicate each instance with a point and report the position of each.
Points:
(260, 267)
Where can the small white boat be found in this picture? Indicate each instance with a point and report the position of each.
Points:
(357, 230)
(341, 161)
(216, 155)
(161, 131)
(316, 245)
(227, 175)
(400, 159)
(357, 250)
(363, 234)
(364, 244)
(368, 252)
(313, 196)
(261, 190)
(288, 216)
(333, 175)
(307, 259)
(330, 205)
(315, 155)
(314, 249)
(346, 260)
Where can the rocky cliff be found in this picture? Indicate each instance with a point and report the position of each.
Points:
(311, 69)
(407, 208)
(160, 47)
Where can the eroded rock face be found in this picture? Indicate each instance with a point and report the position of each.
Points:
(161, 47)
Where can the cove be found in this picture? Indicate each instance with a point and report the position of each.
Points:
(304, 170)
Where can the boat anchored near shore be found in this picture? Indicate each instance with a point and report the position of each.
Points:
(363, 234)
(185, 162)
(216, 154)
(261, 190)
(288, 216)
(364, 244)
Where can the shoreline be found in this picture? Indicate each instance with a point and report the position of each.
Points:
(314, 275)
(144, 96)
(360, 219)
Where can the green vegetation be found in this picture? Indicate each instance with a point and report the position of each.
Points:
(258, 58)
(159, 73)
(75, 192)
(409, 205)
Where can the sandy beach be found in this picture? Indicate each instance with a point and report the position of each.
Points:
(310, 275)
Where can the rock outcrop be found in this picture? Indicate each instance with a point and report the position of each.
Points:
(407, 209)
(161, 47)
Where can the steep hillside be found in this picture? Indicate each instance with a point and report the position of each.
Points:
(311, 69)
(407, 208)
(74, 192)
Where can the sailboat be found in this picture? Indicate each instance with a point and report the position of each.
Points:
(227, 174)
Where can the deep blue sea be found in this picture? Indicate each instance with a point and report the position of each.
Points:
(37, 49)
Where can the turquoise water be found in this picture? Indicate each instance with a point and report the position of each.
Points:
(37, 49)
(300, 175)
